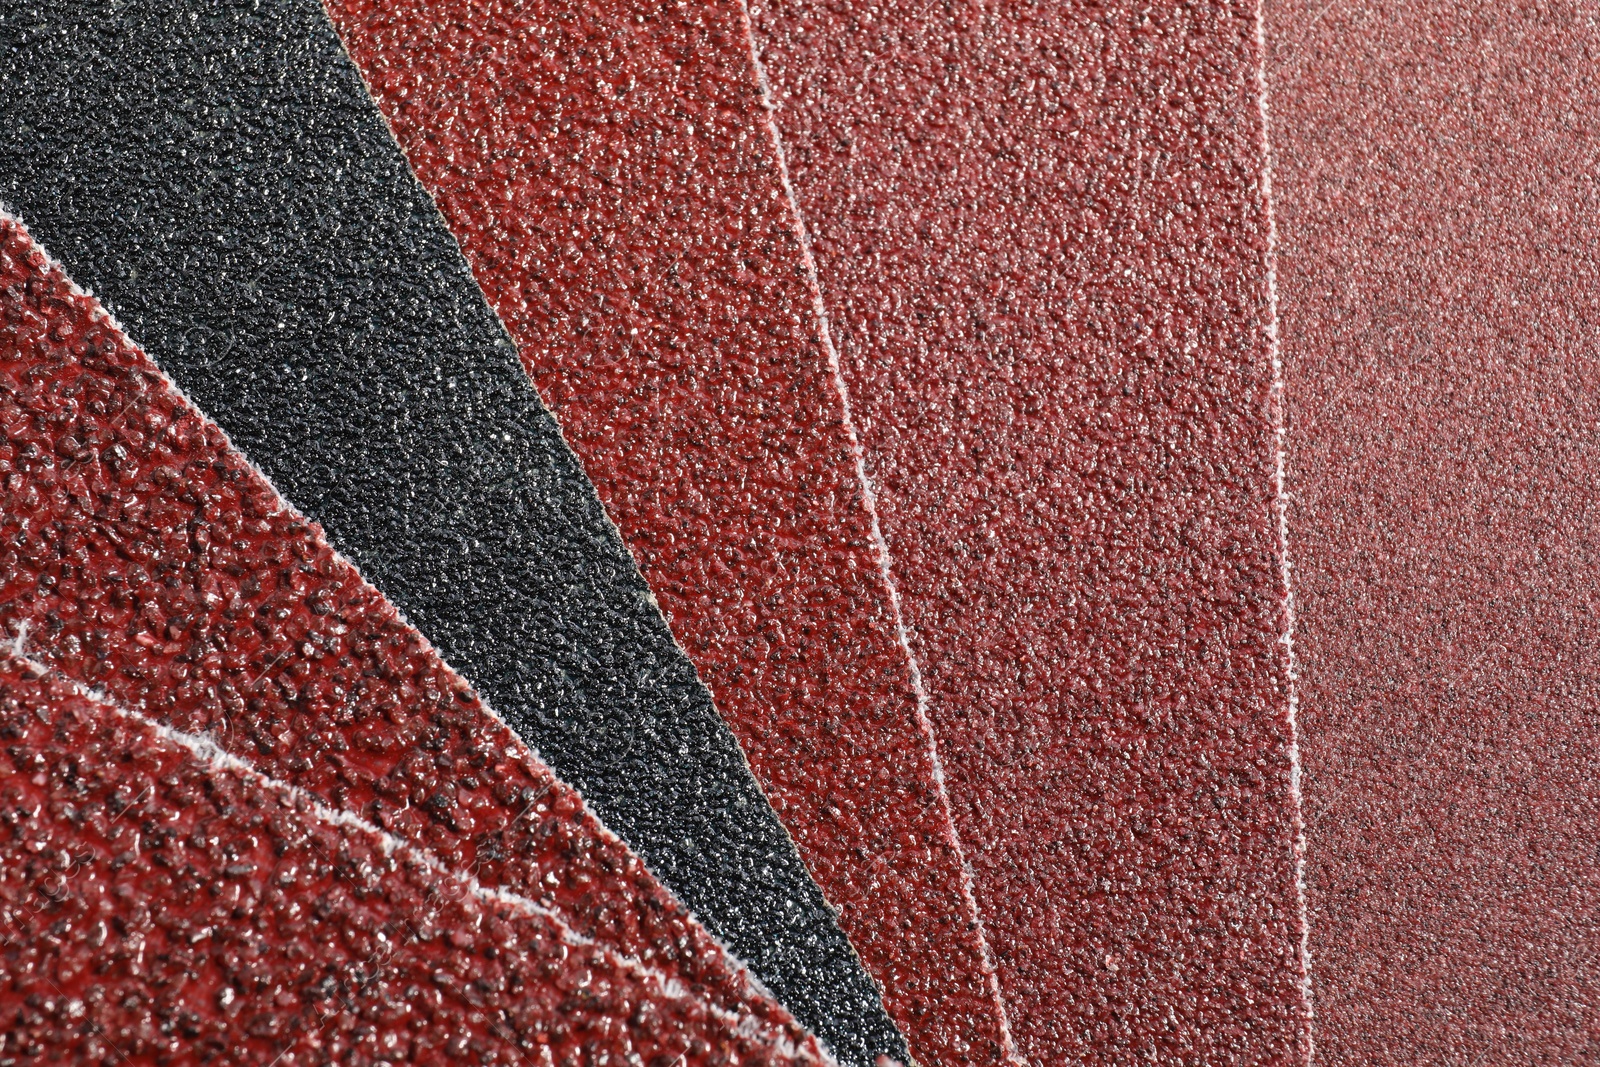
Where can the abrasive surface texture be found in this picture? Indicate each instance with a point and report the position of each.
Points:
(162, 904)
(232, 194)
(1042, 245)
(141, 555)
(610, 172)
(1439, 277)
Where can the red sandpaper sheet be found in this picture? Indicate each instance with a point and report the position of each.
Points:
(140, 554)
(161, 903)
(610, 172)
(1439, 220)
(1041, 240)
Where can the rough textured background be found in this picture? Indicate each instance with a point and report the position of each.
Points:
(232, 194)
(1440, 294)
(610, 173)
(1040, 237)
(141, 555)
(161, 905)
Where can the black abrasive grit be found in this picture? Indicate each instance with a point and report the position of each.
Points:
(215, 171)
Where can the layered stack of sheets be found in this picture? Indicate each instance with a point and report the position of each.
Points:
(552, 532)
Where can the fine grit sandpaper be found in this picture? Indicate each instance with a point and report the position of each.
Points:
(141, 555)
(217, 174)
(1041, 239)
(1434, 179)
(163, 903)
(610, 172)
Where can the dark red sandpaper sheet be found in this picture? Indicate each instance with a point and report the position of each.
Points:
(610, 172)
(1439, 278)
(162, 904)
(140, 554)
(1041, 240)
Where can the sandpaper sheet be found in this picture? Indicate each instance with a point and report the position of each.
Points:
(1434, 177)
(1041, 239)
(216, 173)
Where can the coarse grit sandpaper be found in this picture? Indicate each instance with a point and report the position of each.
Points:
(162, 903)
(1041, 239)
(217, 174)
(142, 556)
(1438, 211)
(610, 171)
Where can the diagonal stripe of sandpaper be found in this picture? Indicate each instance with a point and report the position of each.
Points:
(231, 193)
(140, 554)
(161, 902)
(610, 172)
(1438, 212)
(1041, 242)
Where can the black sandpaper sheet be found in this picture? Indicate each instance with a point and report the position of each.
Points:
(216, 173)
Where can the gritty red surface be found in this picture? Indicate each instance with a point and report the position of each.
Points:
(610, 173)
(141, 555)
(1040, 236)
(158, 906)
(1437, 205)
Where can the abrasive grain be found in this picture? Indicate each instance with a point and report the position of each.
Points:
(159, 904)
(609, 170)
(141, 555)
(1041, 242)
(215, 171)
(1439, 276)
